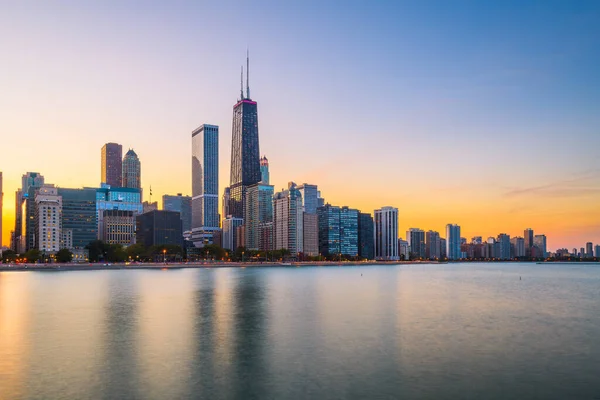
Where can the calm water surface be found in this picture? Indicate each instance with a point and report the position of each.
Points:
(471, 331)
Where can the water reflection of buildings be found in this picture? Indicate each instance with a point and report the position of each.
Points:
(230, 335)
(14, 325)
(120, 335)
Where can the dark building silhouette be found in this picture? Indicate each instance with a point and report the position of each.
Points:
(111, 164)
(159, 227)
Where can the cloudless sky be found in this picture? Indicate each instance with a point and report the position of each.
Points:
(485, 114)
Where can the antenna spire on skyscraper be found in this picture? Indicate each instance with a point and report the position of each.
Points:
(247, 73)
(242, 83)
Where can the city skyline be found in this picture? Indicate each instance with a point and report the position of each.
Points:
(499, 143)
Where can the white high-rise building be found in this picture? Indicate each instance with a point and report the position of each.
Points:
(287, 220)
(453, 242)
(386, 233)
(48, 219)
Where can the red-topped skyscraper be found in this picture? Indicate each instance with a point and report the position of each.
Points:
(112, 164)
(245, 155)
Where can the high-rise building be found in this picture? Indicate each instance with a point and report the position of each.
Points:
(589, 250)
(432, 245)
(182, 205)
(258, 211)
(366, 249)
(122, 199)
(597, 251)
(131, 171)
(205, 184)
(31, 183)
(287, 220)
(79, 215)
(245, 153)
(159, 227)
(320, 200)
(386, 233)
(477, 240)
(539, 241)
(264, 170)
(518, 245)
(453, 241)
(119, 227)
(329, 230)
(309, 197)
(443, 249)
(349, 231)
(403, 249)
(225, 200)
(48, 219)
(503, 246)
(416, 241)
(528, 236)
(230, 226)
(111, 164)
(310, 229)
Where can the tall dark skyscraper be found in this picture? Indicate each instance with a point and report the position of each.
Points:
(245, 158)
(111, 164)
(132, 171)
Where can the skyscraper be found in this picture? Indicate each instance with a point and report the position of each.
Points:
(287, 220)
(132, 171)
(365, 236)
(258, 211)
(31, 183)
(589, 250)
(503, 246)
(182, 205)
(386, 233)
(264, 170)
(453, 241)
(539, 241)
(122, 199)
(111, 164)
(79, 215)
(48, 219)
(432, 245)
(311, 224)
(518, 245)
(416, 241)
(528, 236)
(245, 154)
(205, 183)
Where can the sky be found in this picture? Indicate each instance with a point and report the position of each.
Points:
(485, 114)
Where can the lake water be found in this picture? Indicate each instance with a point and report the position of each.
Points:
(454, 331)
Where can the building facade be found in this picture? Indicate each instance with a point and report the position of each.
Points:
(229, 238)
(119, 227)
(386, 233)
(205, 184)
(518, 247)
(539, 241)
(328, 220)
(182, 205)
(159, 227)
(48, 220)
(79, 216)
(432, 245)
(310, 229)
(503, 244)
(287, 220)
(366, 248)
(131, 171)
(453, 242)
(245, 151)
(264, 170)
(31, 183)
(122, 199)
(416, 241)
(258, 210)
(111, 164)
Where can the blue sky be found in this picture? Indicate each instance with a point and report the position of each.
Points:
(484, 101)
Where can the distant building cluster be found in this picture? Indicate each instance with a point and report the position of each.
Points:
(255, 216)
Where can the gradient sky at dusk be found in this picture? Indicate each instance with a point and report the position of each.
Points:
(485, 114)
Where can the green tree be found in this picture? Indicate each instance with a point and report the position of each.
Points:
(64, 256)
(115, 253)
(137, 251)
(9, 256)
(97, 250)
(33, 255)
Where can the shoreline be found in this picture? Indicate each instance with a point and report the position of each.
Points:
(217, 264)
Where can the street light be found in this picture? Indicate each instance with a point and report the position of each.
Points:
(164, 256)
(242, 256)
